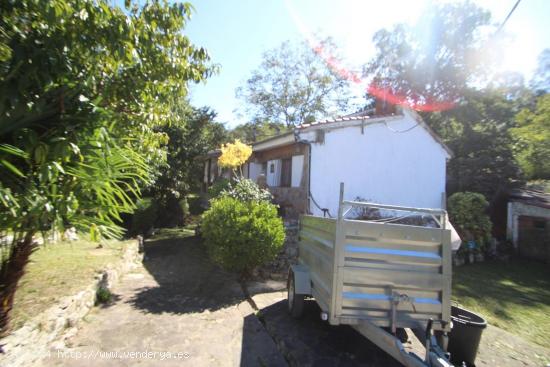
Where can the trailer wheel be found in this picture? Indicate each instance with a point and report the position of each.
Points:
(295, 301)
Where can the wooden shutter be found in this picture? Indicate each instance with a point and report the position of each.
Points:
(286, 172)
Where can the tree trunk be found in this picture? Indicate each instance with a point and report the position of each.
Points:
(11, 271)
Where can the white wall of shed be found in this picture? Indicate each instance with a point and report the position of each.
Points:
(517, 209)
(380, 165)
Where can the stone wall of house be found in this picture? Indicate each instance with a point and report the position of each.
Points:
(291, 200)
(279, 267)
(49, 329)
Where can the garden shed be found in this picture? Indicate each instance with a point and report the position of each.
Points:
(528, 223)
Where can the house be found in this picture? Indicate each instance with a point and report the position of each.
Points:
(389, 157)
(528, 223)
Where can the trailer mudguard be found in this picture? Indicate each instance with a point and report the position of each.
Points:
(302, 281)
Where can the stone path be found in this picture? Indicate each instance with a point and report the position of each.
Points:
(179, 303)
(312, 342)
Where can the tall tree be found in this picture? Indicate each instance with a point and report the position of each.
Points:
(83, 85)
(532, 135)
(294, 85)
(438, 67)
(257, 130)
(193, 135)
(478, 132)
(428, 66)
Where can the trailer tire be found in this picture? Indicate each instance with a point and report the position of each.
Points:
(295, 301)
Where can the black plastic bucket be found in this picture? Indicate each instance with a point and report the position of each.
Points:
(465, 336)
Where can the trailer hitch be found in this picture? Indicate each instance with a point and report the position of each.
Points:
(435, 355)
(397, 298)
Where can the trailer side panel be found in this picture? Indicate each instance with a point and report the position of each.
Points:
(316, 248)
(393, 273)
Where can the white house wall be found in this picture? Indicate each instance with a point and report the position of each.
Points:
(379, 165)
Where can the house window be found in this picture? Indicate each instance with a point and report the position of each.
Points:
(286, 172)
(272, 168)
(539, 224)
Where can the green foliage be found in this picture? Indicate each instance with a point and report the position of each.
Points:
(195, 205)
(222, 184)
(103, 295)
(440, 60)
(79, 112)
(246, 190)
(145, 216)
(468, 213)
(193, 135)
(242, 235)
(257, 130)
(294, 85)
(83, 87)
(436, 59)
(532, 134)
(478, 133)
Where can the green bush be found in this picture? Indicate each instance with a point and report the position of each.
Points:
(246, 190)
(103, 295)
(195, 205)
(145, 216)
(220, 185)
(242, 235)
(468, 213)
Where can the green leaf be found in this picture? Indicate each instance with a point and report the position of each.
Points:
(10, 149)
(12, 168)
(58, 166)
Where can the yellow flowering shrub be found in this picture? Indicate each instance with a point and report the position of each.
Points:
(234, 154)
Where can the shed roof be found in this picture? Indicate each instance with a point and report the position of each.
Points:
(530, 197)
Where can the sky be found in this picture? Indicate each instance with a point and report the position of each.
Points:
(237, 33)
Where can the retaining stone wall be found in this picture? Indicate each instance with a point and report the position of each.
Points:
(279, 267)
(27, 345)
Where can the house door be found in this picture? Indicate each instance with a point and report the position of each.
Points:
(286, 172)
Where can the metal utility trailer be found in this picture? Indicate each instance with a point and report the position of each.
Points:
(378, 277)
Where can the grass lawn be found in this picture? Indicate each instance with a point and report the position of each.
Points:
(58, 270)
(514, 296)
(167, 233)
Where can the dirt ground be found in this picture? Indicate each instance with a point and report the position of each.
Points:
(179, 309)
